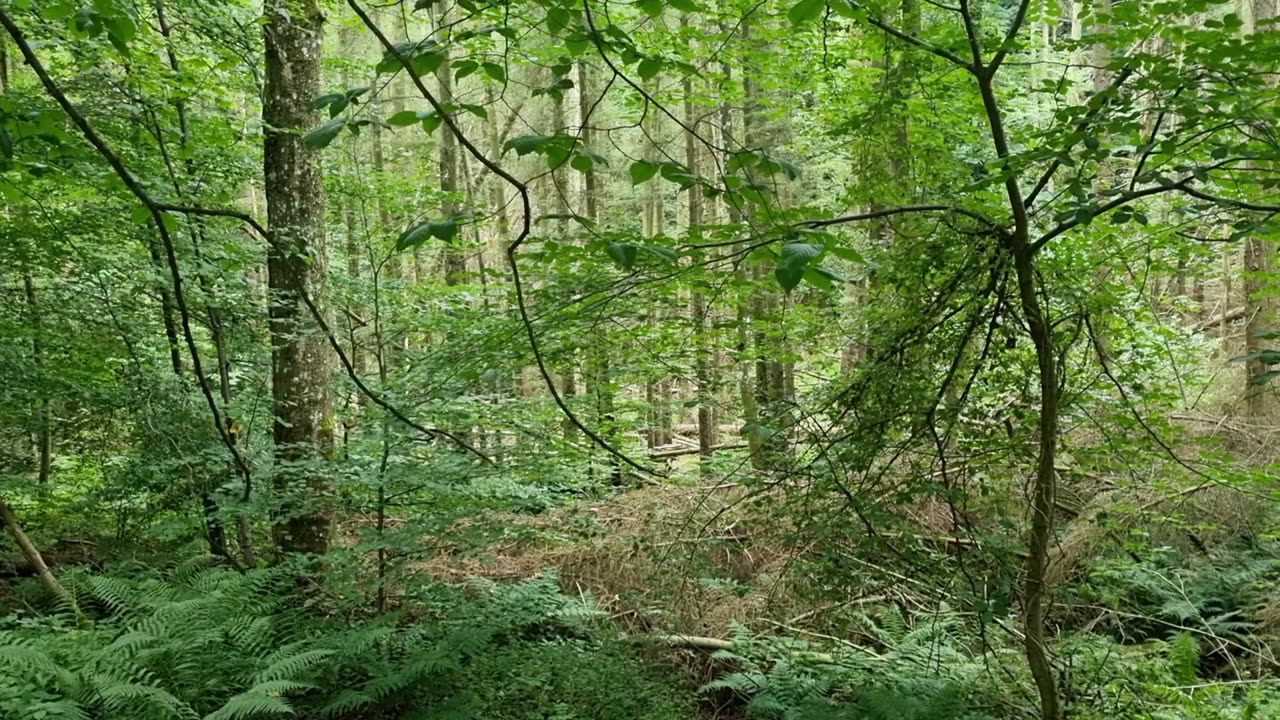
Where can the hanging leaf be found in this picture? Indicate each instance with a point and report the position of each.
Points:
(495, 71)
(120, 31)
(795, 258)
(652, 8)
(623, 254)
(577, 43)
(642, 171)
(415, 236)
(688, 6)
(404, 118)
(424, 56)
(805, 10)
(679, 174)
(649, 68)
(321, 137)
(525, 144)
(662, 253)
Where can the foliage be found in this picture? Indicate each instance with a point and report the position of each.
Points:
(207, 642)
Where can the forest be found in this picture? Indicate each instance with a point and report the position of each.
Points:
(639, 359)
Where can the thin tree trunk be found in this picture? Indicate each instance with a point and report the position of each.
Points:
(44, 427)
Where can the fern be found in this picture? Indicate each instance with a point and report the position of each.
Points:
(1184, 658)
(251, 705)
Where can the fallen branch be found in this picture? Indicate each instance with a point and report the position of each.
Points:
(661, 454)
(1226, 317)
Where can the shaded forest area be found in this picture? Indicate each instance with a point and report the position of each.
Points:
(652, 360)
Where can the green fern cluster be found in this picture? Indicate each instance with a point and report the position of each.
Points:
(908, 671)
(208, 643)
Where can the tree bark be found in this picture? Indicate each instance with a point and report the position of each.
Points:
(1259, 262)
(296, 266)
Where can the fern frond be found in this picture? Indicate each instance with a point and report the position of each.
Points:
(291, 666)
(251, 705)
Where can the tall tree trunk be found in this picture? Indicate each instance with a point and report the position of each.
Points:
(455, 258)
(698, 299)
(44, 428)
(1261, 310)
(303, 430)
(597, 371)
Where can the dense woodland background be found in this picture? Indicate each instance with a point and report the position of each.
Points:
(659, 359)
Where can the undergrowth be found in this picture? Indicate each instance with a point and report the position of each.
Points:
(198, 642)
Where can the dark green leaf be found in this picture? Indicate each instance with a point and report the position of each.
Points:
(661, 253)
(495, 71)
(804, 11)
(623, 254)
(649, 68)
(525, 144)
(642, 171)
(652, 8)
(321, 137)
(404, 118)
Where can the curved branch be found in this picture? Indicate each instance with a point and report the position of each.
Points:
(376, 397)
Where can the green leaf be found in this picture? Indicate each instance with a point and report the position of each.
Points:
(652, 8)
(623, 254)
(327, 99)
(582, 163)
(649, 68)
(414, 236)
(477, 110)
(321, 137)
(679, 174)
(805, 10)
(495, 71)
(431, 121)
(790, 269)
(120, 31)
(688, 6)
(643, 171)
(558, 20)
(662, 253)
(445, 230)
(140, 215)
(404, 118)
(525, 144)
(577, 43)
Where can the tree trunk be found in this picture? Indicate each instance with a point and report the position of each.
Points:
(303, 430)
(455, 259)
(698, 308)
(1261, 311)
(44, 427)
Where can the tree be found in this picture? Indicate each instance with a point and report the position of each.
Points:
(296, 268)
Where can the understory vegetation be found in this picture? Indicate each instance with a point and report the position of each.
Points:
(652, 360)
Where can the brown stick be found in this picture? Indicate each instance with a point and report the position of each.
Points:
(29, 550)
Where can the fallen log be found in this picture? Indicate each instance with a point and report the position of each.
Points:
(1226, 317)
(662, 454)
